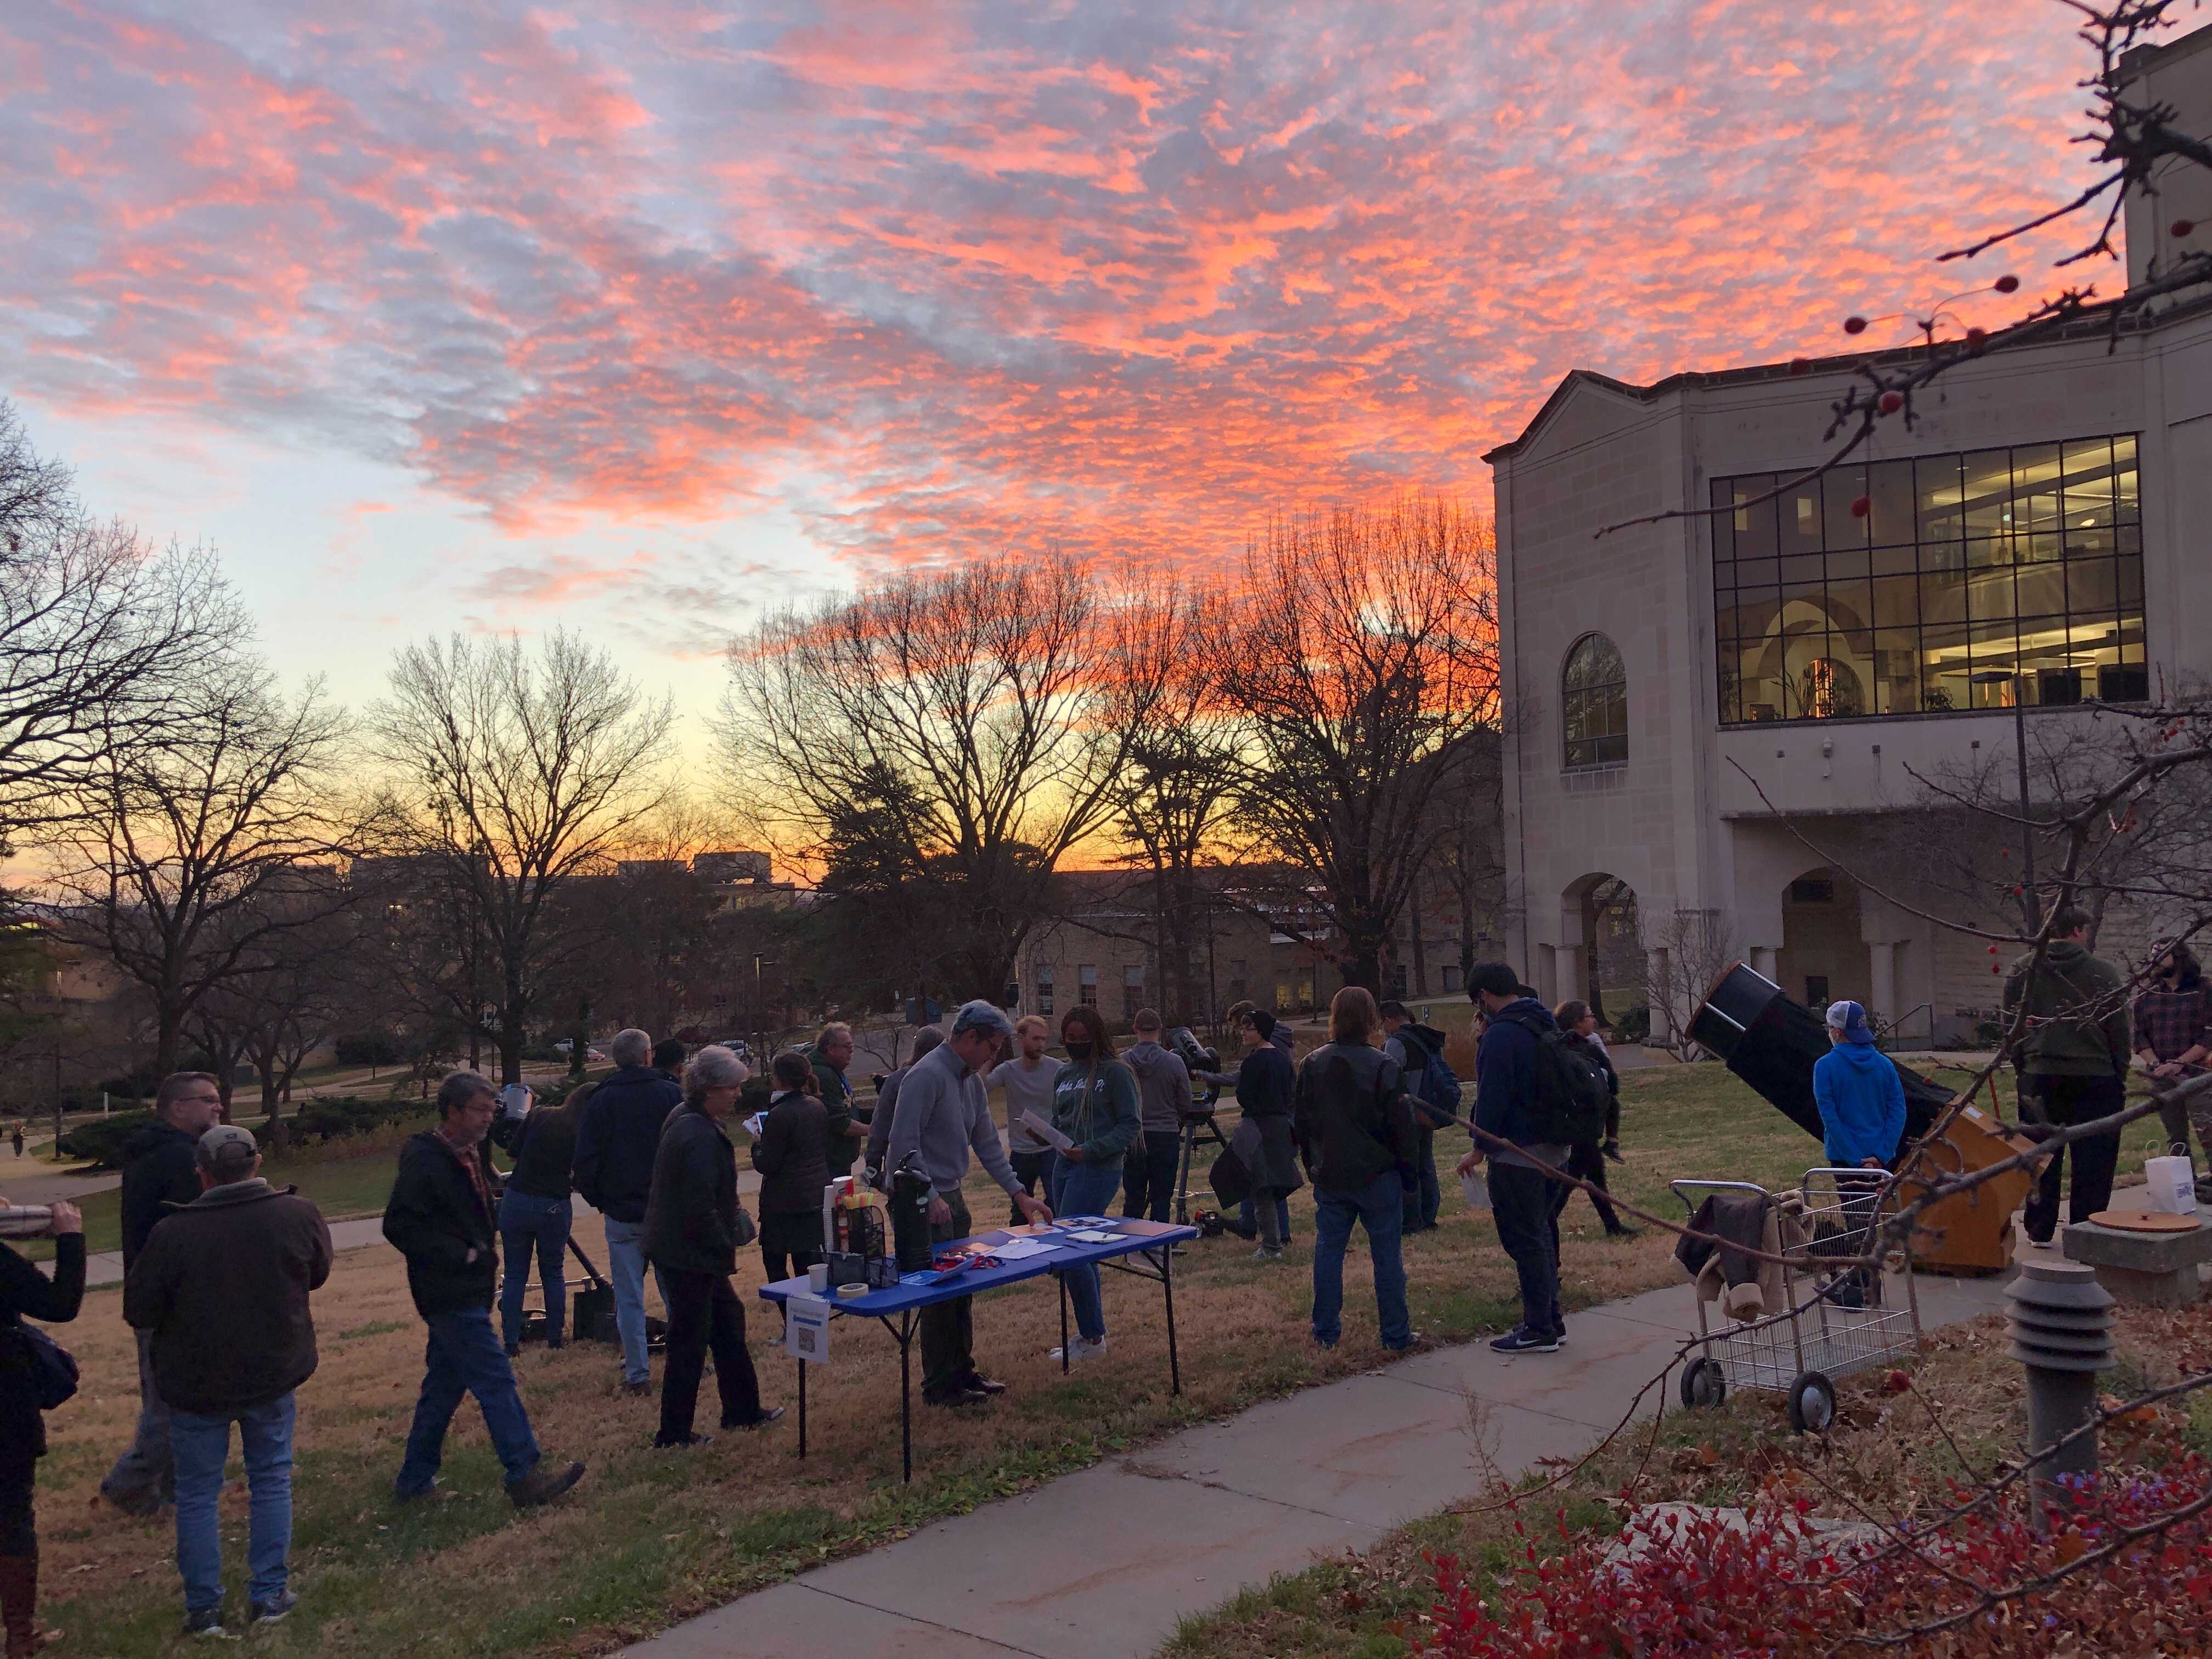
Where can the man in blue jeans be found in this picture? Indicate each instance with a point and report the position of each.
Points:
(616, 1145)
(534, 1213)
(440, 1216)
(1355, 1131)
(221, 1287)
(1520, 1193)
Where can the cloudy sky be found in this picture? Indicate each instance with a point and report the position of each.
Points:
(642, 315)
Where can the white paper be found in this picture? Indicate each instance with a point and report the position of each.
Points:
(1020, 1250)
(806, 1328)
(1092, 1236)
(2170, 1184)
(1042, 1129)
(1475, 1187)
(753, 1124)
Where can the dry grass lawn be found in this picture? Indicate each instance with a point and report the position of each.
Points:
(650, 1537)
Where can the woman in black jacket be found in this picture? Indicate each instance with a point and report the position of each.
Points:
(24, 1290)
(692, 1231)
(792, 1157)
(1267, 1146)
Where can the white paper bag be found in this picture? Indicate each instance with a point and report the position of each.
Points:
(2173, 1187)
(1476, 1187)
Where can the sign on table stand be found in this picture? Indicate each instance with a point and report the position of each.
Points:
(806, 1328)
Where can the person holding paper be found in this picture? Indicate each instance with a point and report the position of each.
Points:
(943, 1113)
(792, 1157)
(1027, 1080)
(1094, 1105)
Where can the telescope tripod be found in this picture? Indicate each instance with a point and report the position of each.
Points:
(1194, 1125)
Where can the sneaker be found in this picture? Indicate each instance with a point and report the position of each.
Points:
(772, 1414)
(554, 1344)
(1268, 1253)
(1082, 1348)
(958, 1395)
(685, 1444)
(980, 1383)
(637, 1390)
(434, 1490)
(514, 1350)
(208, 1622)
(1525, 1340)
(543, 1485)
(1613, 1151)
(269, 1613)
(1414, 1340)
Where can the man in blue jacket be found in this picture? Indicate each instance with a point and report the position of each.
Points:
(615, 1150)
(1520, 1193)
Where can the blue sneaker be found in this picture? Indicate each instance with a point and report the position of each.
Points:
(1524, 1340)
(208, 1622)
(269, 1612)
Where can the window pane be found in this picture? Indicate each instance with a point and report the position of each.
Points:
(1896, 601)
(2089, 542)
(1850, 605)
(2089, 483)
(1890, 485)
(1804, 568)
(1758, 573)
(1849, 563)
(2129, 576)
(1939, 498)
(1892, 560)
(1988, 491)
(1801, 518)
(1944, 597)
(1989, 595)
(1755, 615)
(1896, 671)
(1943, 555)
(1839, 489)
(2042, 591)
(2092, 585)
(1943, 668)
(2123, 479)
(1755, 525)
(1723, 523)
(1989, 550)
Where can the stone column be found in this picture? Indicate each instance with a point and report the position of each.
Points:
(1882, 963)
(1763, 961)
(1570, 962)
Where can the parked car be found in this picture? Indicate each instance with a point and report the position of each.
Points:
(567, 1045)
(736, 1046)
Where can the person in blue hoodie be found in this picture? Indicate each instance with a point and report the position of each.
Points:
(1521, 1192)
(1860, 1095)
(1861, 1102)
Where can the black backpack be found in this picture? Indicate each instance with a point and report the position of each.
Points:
(1572, 1091)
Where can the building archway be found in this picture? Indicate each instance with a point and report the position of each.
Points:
(1824, 956)
(1603, 964)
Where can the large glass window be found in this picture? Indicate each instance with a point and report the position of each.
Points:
(1940, 583)
(1594, 695)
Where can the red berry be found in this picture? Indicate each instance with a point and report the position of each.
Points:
(1861, 506)
(2182, 226)
(1975, 336)
(2007, 284)
(1855, 324)
(1800, 365)
(1892, 402)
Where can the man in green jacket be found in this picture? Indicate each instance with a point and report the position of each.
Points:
(829, 1056)
(2072, 1062)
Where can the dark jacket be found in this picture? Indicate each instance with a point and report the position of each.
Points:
(1351, 1116)
(1265, 1083)
(793, 1155)
(2077, 1014)
(161, 1172)
(1505, 1076)
(544, 1145)
(435, 1218)
(619, 1139)
(24, 1290)
(691, 1218)
(222, 1285)
(841, 1149)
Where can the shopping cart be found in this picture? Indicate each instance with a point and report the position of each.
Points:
(1835, 1319)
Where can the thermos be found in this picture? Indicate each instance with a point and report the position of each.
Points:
(910, 1195)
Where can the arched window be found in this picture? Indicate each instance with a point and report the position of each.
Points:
(1594, 695)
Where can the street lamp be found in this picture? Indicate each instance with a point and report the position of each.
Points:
(2028, 908)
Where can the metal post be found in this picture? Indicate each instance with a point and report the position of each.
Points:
(906, 1395)
(1167, 1291)
(2030, 907)
(2060, 1333)
(1060, 1280)
(802, 1408)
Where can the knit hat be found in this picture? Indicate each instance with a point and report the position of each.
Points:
(227, 1152)
(1850, 1019)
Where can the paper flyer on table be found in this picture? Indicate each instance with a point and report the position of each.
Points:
(1042, 1129)
(1020, 1250)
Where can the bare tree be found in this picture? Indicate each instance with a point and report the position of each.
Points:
(935, 739)
(1362, 667)
(1178, 775)
(1684, 952)
(169, 860)
(517, 771)
(103, 643)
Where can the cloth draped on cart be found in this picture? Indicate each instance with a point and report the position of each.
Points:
(1727, 1273)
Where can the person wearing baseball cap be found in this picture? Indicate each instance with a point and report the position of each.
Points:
(221, 1286)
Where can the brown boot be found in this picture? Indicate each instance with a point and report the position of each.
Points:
(543, 1484)
(19, 1602)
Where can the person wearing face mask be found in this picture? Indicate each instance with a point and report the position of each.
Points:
(1094, 1105)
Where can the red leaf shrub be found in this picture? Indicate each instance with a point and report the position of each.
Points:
(1774, 1589)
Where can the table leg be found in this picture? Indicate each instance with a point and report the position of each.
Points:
(1182, 1179)
(906, 1397)
(1060, 1280)
(802, 1401)
(1167, 1290)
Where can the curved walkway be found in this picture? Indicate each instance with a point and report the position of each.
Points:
(1103, 1563)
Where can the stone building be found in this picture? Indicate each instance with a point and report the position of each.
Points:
(1729, 714)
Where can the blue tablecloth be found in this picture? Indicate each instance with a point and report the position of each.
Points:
(1130, 1236)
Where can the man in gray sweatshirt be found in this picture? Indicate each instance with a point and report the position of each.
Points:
(1163, 1097)
(943, 1113)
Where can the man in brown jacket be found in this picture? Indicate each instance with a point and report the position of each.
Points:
(221, 1285)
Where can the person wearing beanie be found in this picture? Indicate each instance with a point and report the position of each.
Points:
(1860, 1095)
(221, 1286)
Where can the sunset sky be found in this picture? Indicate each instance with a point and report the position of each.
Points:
(640, 316)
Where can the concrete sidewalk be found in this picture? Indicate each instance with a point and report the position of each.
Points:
(1103, 1563)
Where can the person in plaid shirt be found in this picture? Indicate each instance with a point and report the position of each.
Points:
(2173, 1036)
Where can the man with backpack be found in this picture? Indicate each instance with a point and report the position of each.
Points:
(1534, 1092)
(1433, 1090)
